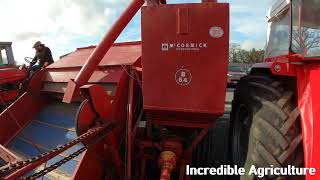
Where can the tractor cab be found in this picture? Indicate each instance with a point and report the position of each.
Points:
(11, 75)
(294, 29)
(6, 55)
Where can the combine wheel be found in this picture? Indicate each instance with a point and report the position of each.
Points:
(265, 127)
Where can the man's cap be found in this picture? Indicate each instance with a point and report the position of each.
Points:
(37, 44)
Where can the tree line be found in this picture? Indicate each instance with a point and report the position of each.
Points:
(239, 55)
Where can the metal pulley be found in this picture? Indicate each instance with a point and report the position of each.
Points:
(94, 110)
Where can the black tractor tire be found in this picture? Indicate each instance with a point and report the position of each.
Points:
(265, 124)
(212, 151)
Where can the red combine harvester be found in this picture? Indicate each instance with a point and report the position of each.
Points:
(134, 110)
(275, 115)
(10, 76)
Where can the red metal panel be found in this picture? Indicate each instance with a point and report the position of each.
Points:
(121, 100)
(12, 74)
(89, 160)
(107, 74)
(282, 59)
(100, 100)
(9, 95)
(18, 115)
(309, 105)
(184, 68)
(182, 21)
(119, 54)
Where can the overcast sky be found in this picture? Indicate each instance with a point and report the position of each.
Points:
(64, 25)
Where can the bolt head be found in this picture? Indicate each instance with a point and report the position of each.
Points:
(277, 67)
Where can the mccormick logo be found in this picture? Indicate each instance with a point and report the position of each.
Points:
(183, 46)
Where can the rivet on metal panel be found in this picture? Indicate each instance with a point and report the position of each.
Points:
(183, 21)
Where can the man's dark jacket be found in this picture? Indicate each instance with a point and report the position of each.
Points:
(44, 56)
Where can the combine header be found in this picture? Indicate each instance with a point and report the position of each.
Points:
(135, 110)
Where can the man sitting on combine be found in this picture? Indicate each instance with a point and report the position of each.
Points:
(43, 55)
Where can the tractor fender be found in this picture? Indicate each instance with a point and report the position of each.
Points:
(308, 88)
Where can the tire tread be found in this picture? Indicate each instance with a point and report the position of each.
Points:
(275, 136)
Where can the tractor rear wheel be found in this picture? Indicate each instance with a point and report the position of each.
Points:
(265, 127)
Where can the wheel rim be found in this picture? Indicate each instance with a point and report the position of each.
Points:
(241, 131)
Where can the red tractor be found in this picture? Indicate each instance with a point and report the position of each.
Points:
(11, 75)
(275, 112)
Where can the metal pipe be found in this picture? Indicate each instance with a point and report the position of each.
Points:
(108, 40)
(129, 124)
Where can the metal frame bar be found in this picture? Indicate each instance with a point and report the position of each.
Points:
(129, 124)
